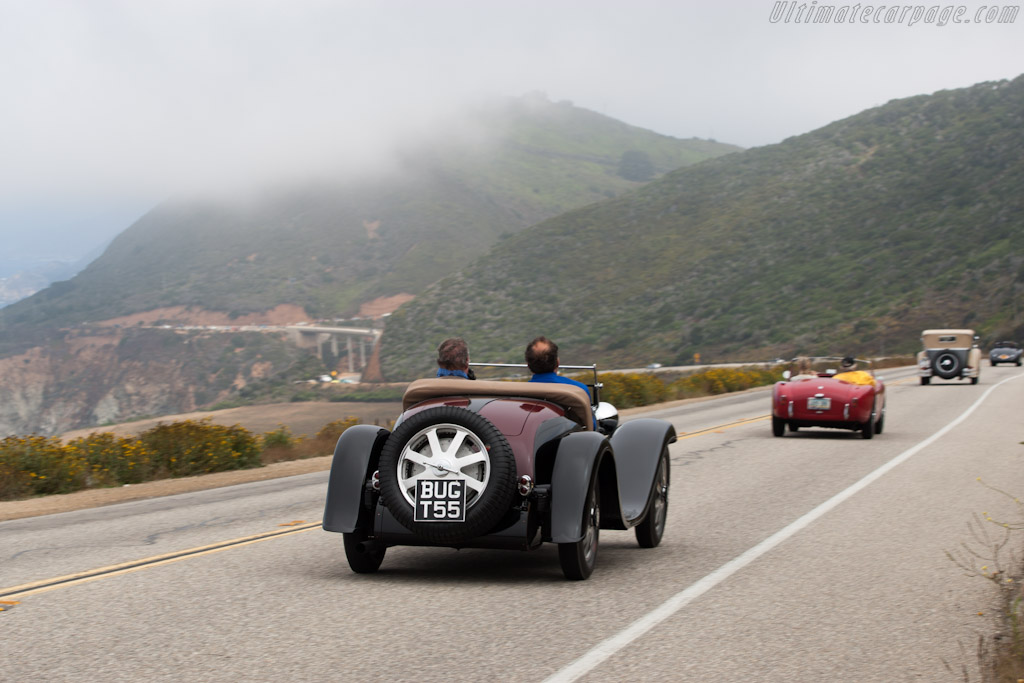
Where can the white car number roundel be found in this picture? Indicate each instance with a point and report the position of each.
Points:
(440, 500)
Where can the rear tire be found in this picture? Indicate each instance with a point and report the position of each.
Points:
(880, 424)
(454, 443)
(867, 430)
(925, 381)
(650, 531)
(579, 559)
(361, 561)
(974, 380)
(778, 426)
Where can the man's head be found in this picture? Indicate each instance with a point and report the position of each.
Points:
(542, 355)
(849, 363)
(453, 354)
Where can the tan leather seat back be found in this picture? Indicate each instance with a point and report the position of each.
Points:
(570, 398)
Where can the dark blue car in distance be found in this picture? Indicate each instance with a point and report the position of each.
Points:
(1005, 352)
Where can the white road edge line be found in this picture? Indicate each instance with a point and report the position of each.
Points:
(605, 649)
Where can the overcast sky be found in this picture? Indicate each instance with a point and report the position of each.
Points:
(109, 107)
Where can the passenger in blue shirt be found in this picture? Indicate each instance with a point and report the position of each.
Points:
(453, 359)
(542, 359)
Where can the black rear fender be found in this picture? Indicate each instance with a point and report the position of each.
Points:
(638, 445)
(355, 458)
(576, 464)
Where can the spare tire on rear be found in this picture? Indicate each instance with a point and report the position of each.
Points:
(947, 365)
(443, 444)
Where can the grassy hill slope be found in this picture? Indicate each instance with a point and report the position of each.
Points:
(851, 238)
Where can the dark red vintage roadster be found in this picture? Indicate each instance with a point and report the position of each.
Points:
(818, 392)
(499, 464)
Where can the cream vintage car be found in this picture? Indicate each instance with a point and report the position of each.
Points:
(949, 354)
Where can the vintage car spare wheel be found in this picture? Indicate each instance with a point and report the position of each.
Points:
(947, 365)
(442, 445)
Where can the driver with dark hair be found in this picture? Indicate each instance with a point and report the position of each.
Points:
(453, 359)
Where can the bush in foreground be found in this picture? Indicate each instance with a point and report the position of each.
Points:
(37, 465)
(280, 445)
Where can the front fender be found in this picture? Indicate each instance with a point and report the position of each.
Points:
(355, 456)
(637, 445)
(575, 469)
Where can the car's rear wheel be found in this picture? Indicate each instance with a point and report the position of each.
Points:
(880, 425)
(925, 380)
(947, 365)
(650, 531)
(867, 430)
(579, 559)
(446, 444)
(974, 380)
(778, 426)
(362, 558)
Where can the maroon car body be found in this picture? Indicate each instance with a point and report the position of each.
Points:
(499, 464)
(816, 392)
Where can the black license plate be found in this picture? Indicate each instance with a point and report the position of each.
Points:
(440, 500)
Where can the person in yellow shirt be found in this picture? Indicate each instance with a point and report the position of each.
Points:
(848, 372)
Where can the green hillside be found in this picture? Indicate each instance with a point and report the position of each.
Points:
(333, 247)
(851, 238)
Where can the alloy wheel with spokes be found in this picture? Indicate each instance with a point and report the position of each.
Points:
(444, 452)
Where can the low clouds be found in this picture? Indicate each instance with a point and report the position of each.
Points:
(135, 101)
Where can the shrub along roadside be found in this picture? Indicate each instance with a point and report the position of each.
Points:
(280, 444)
(37, 465)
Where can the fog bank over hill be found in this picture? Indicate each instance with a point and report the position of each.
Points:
(849, 239)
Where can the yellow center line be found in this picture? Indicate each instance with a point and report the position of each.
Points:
(722, 428)
(45, 585)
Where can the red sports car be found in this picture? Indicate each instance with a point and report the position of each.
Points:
(839, 393)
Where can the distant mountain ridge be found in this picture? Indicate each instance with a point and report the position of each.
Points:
(851, 238)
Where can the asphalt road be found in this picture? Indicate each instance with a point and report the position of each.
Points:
(818, 556)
